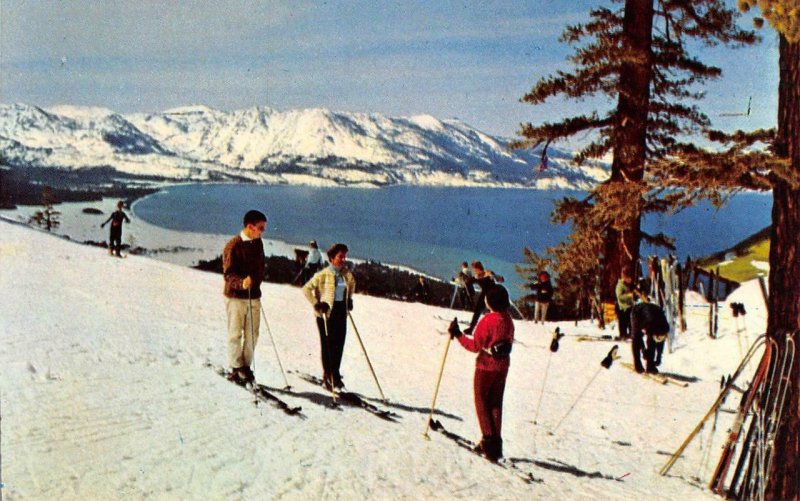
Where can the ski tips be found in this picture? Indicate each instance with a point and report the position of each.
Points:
(612, 355)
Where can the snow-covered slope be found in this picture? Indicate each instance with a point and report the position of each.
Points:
(266, 145)
(105, 395)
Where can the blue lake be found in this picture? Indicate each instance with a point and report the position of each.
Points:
(428, 228)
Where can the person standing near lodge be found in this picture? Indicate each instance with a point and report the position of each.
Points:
(543, 289)
(625, 293)
(493, 339)
(648, 320)
(115, 232)
(243, 268)
(485, 280)
(330, 292)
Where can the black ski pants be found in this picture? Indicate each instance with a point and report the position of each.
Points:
(332, 345)
(624, 322)
(652, 352)
(115, 239)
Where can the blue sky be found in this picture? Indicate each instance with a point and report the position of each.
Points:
(470, 60)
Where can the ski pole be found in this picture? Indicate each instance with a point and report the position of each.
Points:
(597, 373)
(358, 336)
(541, 394)
(605, 364)
(328, 354)
(274, 346)
(252, 346)
(298, 275)
(438, 382)
(252, 331)
(553, 348)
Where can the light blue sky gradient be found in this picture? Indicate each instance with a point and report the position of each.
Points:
(471, 60)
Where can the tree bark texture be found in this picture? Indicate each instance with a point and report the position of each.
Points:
(784, 275)
(630, 140)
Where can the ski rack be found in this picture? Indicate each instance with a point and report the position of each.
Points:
(758, 448)
(717, 484)
(760, 341)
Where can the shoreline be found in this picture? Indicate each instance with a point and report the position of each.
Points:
(162, 244)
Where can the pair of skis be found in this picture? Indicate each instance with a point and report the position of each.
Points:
(261, 393)
(350, 398)
(658, 378)
(464, 443)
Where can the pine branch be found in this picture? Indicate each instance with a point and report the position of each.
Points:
(659, 240)
(536, 135)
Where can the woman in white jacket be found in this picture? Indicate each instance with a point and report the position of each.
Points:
(330, 291)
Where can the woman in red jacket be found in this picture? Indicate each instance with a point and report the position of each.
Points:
(492, 340)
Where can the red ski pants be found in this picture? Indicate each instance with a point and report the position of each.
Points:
(489, 387)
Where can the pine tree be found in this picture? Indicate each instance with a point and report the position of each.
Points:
(636, 57)
(743, 164)
(784, 255)
(47, 216)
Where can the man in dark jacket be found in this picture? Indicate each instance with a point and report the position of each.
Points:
(485, 279)
(543, 290)
(648, 319)
(243, 267)
(115, 234)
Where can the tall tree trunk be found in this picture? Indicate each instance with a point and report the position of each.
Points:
(784, 275)
(630, 144)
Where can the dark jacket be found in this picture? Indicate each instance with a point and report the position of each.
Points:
(421, 292)
(648, 317)
(543, 291)
(241, 259)
(116, 219)
(485, 283)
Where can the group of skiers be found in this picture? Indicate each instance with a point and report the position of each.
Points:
(329, 291)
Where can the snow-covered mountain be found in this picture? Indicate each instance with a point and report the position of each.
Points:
(310, 146)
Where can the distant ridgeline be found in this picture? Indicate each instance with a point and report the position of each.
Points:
(25, 186)
(263, 145)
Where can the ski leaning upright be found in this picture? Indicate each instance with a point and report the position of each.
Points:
(717, 483)
(750, 476)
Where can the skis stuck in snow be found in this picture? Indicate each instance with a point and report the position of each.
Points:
(261, 393)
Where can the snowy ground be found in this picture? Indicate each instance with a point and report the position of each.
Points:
(105, 394)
